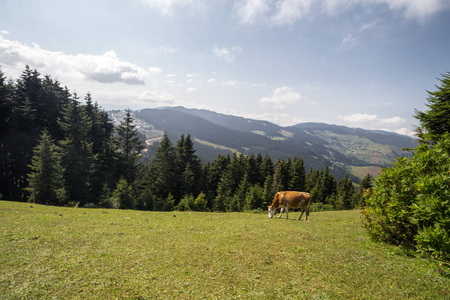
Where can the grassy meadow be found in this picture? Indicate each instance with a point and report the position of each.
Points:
(75, 253)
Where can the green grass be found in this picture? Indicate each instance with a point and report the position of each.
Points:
(69, 253)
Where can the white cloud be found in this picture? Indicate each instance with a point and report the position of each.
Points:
(281, 97)
(154, 97)
(361, 118)
(288, 12)
(167, 7)
(106, 68)
(416, 9)
(372, 121)
(226, 54)
(211, 80)
(411, 9)
(4, 32)
(231, 83)
(154, 70)
(190, 90)
(168, 49)
(251, 11)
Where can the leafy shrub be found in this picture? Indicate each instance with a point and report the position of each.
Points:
(410, 202)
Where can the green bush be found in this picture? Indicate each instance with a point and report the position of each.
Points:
(410, 202)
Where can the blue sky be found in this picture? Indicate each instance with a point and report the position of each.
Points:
(359, 63)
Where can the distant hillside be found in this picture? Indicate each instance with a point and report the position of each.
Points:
(342, 149)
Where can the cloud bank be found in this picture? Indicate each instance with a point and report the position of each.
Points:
(371, 121)
(106, 68)
(288, 12)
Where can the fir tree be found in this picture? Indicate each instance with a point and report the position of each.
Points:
(123, 195)
(76, 153)
(436, 121)
(130, 148)
(345, 193)
(45, 179)
(297, 175)
(165, 168)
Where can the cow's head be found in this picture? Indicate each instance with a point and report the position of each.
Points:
(271, 211)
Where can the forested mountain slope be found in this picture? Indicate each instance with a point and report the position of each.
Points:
(342, 149)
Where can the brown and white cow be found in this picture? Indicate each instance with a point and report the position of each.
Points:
(290, 199)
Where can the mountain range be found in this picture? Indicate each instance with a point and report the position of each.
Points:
(344, 150)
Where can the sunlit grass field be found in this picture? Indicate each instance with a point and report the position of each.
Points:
(73, 253)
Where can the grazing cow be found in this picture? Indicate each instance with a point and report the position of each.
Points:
(290, 199)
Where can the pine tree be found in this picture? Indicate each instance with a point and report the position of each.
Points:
(130, 148)
(297, 175)
(252, 169)
(45, 179)
(224, 191)
(436, 121)
(265, 169)
(76, 153)
(123, 195)
(104, 166)
(189, 167)
(237, 202)
(254, 198)
(329, 186)
(214, 175)
(165, 168)
(345, 193)
(268, 194)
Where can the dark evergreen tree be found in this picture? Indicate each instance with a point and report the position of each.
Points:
(278, 184)
(237, 202)
(224, 190)
(265, 169)
(268, 194)
(345, 193)
(436, 120)
(252, 169)
(254, 198)
(6, 138)
(45, 180)
(297, 175)
(189, 167)
(76, 153)
(329, 186)
(213, 177)
(123, 195)
(165, 168)
(130, 148)
(104, 168)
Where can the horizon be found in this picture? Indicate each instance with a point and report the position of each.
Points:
(359, 64)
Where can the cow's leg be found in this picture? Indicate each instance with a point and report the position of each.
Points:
(300, 215)
(281, 212)
(286, 212)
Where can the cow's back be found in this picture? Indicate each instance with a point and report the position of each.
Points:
(295, 200)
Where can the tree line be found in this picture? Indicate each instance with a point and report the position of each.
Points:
(55, 150)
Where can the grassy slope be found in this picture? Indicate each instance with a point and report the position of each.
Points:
(104, 254)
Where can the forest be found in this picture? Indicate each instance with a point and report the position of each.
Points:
(58, 149)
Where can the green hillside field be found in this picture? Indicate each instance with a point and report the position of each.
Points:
(73, 253)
